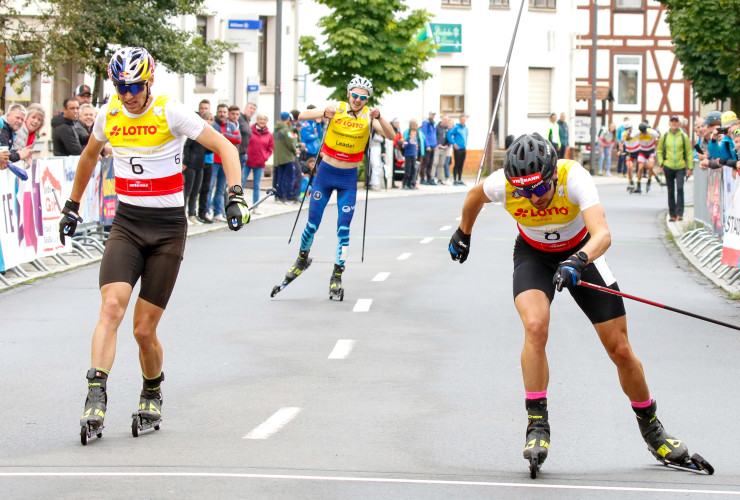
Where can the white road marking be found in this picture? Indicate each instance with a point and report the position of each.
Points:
(274, 423)
(381, 480)
(445, 228)
(404, 256)
(426, 240)
(362, 305)
(381, 276)
(342, 349)
(459, 217)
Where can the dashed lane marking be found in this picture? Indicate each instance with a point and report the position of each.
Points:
(459, 217)
(426, 240)
(362, 305)
(273, 424)
(381, 276)
(445, 228)
(342, 349)
(404, 256)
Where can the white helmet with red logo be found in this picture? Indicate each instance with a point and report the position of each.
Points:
(130, 65)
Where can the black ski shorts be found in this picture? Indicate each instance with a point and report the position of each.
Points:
(146, 243)
(534, 270)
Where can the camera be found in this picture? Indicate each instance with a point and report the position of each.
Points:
(722, 130)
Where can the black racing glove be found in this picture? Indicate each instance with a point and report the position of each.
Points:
(237, 212)
(70, 218)
(568, 273)
(459, 246)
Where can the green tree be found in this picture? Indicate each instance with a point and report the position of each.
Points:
(704, 41)
(369, 38)
(72, 31)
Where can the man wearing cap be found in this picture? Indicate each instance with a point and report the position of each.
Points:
(427, 160)
(674, 156)
(83, 94)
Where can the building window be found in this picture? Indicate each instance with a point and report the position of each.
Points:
(540, 87)
(543, 4)
(202, 29)
(629, 5)
(498, 3)
(452, 91)
(628, 82)
(456, 2)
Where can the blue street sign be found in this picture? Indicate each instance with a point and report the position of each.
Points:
(245, 24)
(253, 88)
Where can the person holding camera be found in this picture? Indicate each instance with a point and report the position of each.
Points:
(674, 156)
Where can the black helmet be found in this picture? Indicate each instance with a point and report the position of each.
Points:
(531, 159)
(643, 127)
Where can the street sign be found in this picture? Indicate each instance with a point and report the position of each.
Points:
(253, 88)
(244, 33)
(448, 37)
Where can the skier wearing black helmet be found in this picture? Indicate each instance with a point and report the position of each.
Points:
(563, 236)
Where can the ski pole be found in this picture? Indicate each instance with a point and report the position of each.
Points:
(500, 93)
(310, 181)
(662, 306)
(268, 193)
(367, 186)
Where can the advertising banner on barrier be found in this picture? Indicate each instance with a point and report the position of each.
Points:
(51, 173)
(108, 192)
(714, 200)
(731, 240)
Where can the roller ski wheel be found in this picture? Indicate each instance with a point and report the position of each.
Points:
(302, 263)
(87, 431)
(336, 292)
(696, 464)
(149, 414)
(91, 422)
(538, 435)
(140, 423)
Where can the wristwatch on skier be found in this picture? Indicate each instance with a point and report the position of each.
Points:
(582, 256)
(236, 190)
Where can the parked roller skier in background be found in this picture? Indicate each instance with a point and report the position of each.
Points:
(147, 239)
(344, 145)
(563, 236)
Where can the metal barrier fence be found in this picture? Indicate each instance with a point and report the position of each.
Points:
(713, 191)
(31, 209)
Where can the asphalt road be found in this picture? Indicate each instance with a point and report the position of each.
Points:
(409, 388)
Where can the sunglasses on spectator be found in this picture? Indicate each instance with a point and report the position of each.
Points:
(736, 132)
(134, 88)
(361, 97)
(538, 190)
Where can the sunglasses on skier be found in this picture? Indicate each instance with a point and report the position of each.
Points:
(134, 88)
(539, 190)
(361, 97)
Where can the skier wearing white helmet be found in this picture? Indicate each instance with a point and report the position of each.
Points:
(346, 136)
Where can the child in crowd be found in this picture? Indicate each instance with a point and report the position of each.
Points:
(306, 176)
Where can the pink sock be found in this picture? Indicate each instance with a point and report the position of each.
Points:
(536, 395)
(643, 404)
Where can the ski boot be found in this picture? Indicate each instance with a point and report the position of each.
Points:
(335, 283)
(665, 448)
(91, 422)
(638, 189)
(647, 186)
(301, 264)
(150, 407)
(538, 435)
(631, 186)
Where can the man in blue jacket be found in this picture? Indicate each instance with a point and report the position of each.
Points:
(458, 137)
(428, 128)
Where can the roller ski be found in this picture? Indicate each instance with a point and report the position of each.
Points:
(538, 435)
(301, 264)
(668, 450)
(149, 414)
(637, 189)
(91, 422)
(630, 187)
(336, 292)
